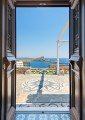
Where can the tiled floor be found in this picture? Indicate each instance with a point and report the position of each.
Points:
(41, 88)
(55, 116)
(37, 93)
(42, 105)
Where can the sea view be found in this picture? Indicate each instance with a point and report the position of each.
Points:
(44, 64)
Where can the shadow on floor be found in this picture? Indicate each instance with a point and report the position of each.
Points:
(51, 98)
(45, 98)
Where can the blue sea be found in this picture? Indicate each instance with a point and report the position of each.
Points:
(44, 64)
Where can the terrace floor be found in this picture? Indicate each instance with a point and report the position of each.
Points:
(41, 90)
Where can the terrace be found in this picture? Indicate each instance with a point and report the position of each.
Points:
(37, 87)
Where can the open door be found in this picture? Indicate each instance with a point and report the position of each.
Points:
(75, 61)
(9, 61)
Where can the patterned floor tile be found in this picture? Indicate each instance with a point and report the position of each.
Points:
(42, 88)
(42, 116)
(42, 105)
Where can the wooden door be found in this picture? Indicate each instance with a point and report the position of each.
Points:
(9, 61)
(75, 62)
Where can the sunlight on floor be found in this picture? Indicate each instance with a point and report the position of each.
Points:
(42, 88)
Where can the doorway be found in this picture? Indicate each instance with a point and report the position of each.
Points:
(42, 49)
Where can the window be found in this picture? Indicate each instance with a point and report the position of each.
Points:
(76, 28)
(9, 29)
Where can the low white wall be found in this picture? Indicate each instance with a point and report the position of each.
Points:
(19, 64)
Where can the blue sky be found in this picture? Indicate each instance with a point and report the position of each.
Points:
(37, 29)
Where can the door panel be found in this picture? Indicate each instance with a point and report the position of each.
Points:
(77, 89)
(9, 62)
(75, 62)
(9, 92)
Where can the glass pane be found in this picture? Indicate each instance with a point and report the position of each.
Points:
(76, 27)
(9, 28)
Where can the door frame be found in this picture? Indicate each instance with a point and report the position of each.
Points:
(49, 3)
(2, 43)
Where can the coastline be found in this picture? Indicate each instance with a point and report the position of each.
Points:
(42, 62)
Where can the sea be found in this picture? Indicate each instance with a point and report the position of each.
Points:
(45, 64)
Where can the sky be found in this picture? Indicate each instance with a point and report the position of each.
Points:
(37, 30)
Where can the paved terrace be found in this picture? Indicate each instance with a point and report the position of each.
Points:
(42, 88)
